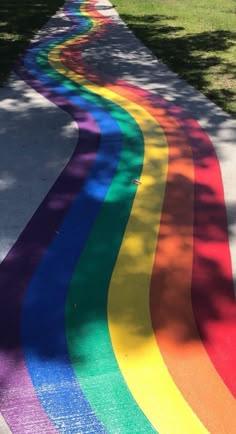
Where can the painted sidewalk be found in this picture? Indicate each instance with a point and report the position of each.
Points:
(118, 239)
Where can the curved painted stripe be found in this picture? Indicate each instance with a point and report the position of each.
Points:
(56, 64)
(109, 106)
(128, 311)
(217, 409)
(68, 55)
(170, 298)
(73, 235)
(33, 240)
(133, 141)
(50, 283)
(194, 380)
(89, 292)
(18, 267)
(98, 374)
(229, 404)
(212, 284)
(135, 137)
(124, 335)
(214, 314)
(213, 292)
(136, 412)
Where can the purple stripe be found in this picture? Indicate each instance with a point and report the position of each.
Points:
(19, 265)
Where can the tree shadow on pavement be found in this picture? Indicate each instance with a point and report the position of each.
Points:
(19, 21)
(108, 55)
(194, 57)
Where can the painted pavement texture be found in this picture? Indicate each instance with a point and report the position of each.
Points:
(117, 297)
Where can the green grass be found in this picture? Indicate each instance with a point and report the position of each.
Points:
(19, 21)
(195, 38)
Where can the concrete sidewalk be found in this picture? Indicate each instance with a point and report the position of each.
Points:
(118, 239)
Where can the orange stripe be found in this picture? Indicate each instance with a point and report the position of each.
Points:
(173, 320)
(176, 331)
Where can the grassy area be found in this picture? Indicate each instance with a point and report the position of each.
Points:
(19, 21)
(196, 38)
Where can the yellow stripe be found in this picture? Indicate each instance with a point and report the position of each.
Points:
(131, 332)
(130, 326)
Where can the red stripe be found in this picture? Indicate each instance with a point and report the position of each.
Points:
(212, 283)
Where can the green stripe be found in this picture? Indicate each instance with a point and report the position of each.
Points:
(87, 325)
(87, 328)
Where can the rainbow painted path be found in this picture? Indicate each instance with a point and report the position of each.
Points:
(117, 300)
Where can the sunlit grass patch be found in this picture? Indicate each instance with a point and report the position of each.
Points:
(196, 38)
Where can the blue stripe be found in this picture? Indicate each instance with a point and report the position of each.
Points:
(51, 374)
